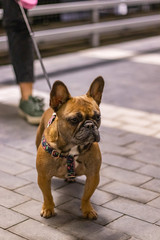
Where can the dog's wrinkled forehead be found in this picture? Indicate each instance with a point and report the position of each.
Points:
(81, 105)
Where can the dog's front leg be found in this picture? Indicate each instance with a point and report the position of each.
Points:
(90, 186)
(48, 205)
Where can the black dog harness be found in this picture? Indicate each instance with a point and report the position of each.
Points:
(54, 153)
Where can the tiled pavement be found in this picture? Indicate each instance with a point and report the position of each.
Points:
(128, 196)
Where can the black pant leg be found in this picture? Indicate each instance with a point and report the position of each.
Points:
(20, 42)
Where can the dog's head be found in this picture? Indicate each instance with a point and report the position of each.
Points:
(78, 117)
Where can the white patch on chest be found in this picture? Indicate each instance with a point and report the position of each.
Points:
(74, 151)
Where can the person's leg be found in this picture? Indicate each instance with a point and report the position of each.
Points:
(26, 89)
(22, 56)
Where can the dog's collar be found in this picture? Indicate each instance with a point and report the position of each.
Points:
(54, 153)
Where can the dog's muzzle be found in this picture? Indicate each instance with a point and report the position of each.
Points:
(88, 132)
(90, 125)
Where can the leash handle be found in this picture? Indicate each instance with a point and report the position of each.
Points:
(34, 43)
(28, 4)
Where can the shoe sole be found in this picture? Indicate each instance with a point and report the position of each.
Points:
(30, 119)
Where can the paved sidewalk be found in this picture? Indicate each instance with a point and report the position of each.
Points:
(128, 196)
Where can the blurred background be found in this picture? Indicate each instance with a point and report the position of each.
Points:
(67, 26)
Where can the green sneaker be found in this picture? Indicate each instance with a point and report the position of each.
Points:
(31, 109)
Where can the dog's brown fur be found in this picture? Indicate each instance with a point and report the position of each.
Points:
(63, 135)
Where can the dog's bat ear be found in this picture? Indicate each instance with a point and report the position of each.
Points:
(58, 95)
(96, 89)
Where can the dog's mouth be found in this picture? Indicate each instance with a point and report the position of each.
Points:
(88, 133)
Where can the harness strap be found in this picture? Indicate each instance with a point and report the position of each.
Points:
(51, 120)
(54, 153)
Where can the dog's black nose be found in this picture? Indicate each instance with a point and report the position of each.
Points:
(89, 124)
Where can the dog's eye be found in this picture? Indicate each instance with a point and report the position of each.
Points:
(74, 120)
(98, 117)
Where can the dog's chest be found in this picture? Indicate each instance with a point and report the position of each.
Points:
(62, 166)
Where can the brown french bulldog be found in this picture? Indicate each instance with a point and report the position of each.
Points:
(68, 146)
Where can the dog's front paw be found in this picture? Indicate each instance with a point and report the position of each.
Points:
(47, 212)
(91, 214)
(88, 211)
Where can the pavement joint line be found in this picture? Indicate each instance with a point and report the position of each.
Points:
(25, 171)
(128, 114)
(20, 149)
(15, 233)
(12, 208)
(152, 200)
(18, 222)
(25, 185)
